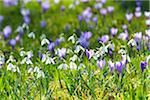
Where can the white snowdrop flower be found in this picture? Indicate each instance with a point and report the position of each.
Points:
(22, 53)
(36, 69)
(74, 58)
(147, 58)
(43, 36)
(30, 70)
(81, 66)
(11, 59)
(11, 67)
(63, 66)
(69, 51)
(79, 48)
(26, 60)
(73, 66)
(72, 39)
(31, 35)
(122, 51)
(23, 61)
(40, 73)
(49, 61)
(25, 26)
(29, 54)
(2, 59)
(44, 41)
(18, 70)
(132, 42)
(147, 14)
(147, 32)
(62, 52)
(147, 21)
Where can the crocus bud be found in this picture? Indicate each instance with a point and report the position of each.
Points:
(45, 6)
(119, 67)
(143, 65)
(7, 31)
(113, 31)
(103, 11)
(12, 42)
(129, 17)
(89, 54)
(111, 65)
(101, 64)
(43, 24)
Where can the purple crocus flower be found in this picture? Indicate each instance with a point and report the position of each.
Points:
(138, 14)
(86, 35)
(7, 31)
(18, 37)
(138, 36)
(101, 64)
(137, 9)
(89, 53)
(129, 17)
(87, 13)
(1, 19)
(143, 65)
(10, 2)
(124, 26)
(80, 18)
(104, 38)
(119, 67)
(84, 39)
(95, 20)
(113, 31)
(43, 23)
(83, 42)
(62, 8)
(51, 46)
(39, 1)
(45, 5)
(103, 11)
(110, 9)
(111, 65)
(26, 19)
(12, 42)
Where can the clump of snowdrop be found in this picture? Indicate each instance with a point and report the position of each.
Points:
(47, 59)
(13, 68)
(39, 73)
(27, 57)
(63, 66)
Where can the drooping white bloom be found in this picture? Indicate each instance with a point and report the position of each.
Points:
(31, 35)
(49, 60)
(79, 48)
(132, 42)
(44, 41)
(63, 66)
(40, 73)
(73, 66)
